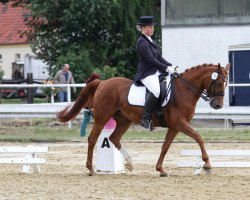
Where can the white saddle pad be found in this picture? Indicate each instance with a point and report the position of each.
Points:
(136, 95)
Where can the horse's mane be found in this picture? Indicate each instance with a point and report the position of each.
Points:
(197, 67)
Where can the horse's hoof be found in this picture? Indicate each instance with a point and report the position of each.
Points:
(163, 174)
(207, 169)
(129, 167)
(91, 172)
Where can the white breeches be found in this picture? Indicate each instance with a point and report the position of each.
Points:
(152, 84)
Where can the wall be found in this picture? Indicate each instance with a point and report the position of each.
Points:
(190, 46)
(32, 64)
(8, 53)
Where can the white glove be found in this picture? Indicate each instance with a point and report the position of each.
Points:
(171, 69)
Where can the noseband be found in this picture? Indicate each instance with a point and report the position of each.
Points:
(209, 94)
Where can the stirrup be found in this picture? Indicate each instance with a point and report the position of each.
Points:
(147, 124)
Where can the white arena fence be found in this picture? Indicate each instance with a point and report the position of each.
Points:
(27, 156)
(219, 159)
(68, 86)
(232, 113)
(36, 110)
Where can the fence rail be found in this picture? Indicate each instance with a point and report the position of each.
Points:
(238, 85)
(68, 86)
(48, 110)
(36, 110)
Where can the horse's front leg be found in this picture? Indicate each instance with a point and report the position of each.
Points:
(188, 130)
(171, 134)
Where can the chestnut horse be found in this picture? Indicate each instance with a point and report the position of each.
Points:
(109, 98)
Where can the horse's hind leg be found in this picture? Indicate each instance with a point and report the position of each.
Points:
(122, 125)
(96, 131)
(188, 130)
(171, 134)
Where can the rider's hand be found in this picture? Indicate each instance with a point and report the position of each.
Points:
(171, 69)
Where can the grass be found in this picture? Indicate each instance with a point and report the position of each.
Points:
(39, 133)
(33, 131)
(216, 135)
(22, 101)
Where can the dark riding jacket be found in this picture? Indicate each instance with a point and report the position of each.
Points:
(150, 59)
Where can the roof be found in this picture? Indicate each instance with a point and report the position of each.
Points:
(239, 47)
(11, 22)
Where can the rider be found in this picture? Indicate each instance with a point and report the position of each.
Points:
(151, 65)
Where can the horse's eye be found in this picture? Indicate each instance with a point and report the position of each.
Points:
(219, 84)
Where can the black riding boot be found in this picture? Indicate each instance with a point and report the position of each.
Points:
(149, 109)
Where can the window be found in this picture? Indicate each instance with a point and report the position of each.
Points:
(17, 71)
(17, 57)
(206, 12)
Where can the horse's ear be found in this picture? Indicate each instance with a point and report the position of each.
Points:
(227, 68)
(92, 77)
(219, 67)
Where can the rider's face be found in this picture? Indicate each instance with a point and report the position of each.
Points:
(148, 30)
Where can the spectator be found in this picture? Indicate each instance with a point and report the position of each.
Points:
(64, 76)
(87, 114)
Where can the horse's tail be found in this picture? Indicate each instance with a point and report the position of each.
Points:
(85, 99)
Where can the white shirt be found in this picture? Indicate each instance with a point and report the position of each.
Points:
(150, 39)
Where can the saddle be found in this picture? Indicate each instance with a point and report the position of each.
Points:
(138, 93)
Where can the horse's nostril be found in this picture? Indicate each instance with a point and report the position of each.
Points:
(217, 107)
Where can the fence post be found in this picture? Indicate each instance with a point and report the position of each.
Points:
(69, 100)
(29, 90)
(68, 94)
(52, 97)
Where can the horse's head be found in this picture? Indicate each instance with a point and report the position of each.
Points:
(215, 86)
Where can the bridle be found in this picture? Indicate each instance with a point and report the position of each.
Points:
(211, 90)
(207, 95)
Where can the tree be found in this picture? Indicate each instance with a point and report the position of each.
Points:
(74, 28)
(87, 34)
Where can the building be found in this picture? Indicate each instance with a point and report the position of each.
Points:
(15, 51)
(204, 31)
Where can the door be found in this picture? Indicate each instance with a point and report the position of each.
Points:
(239, 73)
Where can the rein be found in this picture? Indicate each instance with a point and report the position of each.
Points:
(206, 95)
